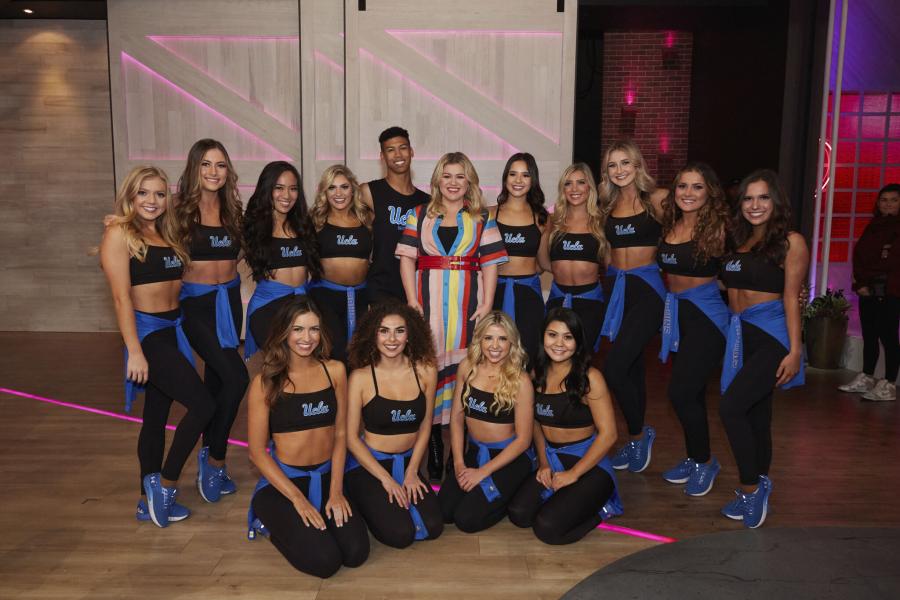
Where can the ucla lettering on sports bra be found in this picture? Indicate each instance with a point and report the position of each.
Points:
(213, 243)
(384, 416)
(160, 264)
(344, 242)
(681, 259)
(286, 252)
(752, 271)
(556, 410)
(631, 232)
(301, 412)
(520, 240)
(479, 405)
(575, 246)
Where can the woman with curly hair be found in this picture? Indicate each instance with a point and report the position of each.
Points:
(297, 423)
(695, 318)
(574, 248)
(522, 223)
(763, 271)
(208, 209)
(575, 486)
(143, 260)
(278, 247)
(343, 224)
(631, 208)
(494, 403)
(391, 395)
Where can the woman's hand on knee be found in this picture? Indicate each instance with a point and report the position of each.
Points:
(338, 509)
(395, 492)
(414, 487)
(544, 476)
(562, 479)
(309, 514)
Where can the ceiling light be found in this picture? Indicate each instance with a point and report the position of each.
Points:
(27, 11)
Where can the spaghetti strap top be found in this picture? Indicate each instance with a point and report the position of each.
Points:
(384, 416)
(308, 410)
(520, 240)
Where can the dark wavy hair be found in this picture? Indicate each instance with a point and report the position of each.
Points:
(535, 196)
(774, 243)
(891, 187)
(392, 132)
(576, 382)
(363, 349)
(276, 354)
(712, 218)
(259, 221)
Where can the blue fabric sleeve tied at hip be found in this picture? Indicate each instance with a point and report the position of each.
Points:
(491, 492)
(266, 291)
(350, 291)
(147, 324)
(615, 309)
(532, 282)
(707, 298)
(594, 294)
(768, 316)
(228, 336)
(397, 474)
(613, 506)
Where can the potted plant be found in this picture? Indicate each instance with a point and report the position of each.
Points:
(825, 329)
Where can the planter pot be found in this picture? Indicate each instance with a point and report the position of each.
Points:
(825, 337)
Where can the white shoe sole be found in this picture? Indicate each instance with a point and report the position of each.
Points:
(685, 480)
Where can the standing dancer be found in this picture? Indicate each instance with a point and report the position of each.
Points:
(143, 261)
(763, 274)
(695, 318)
(299, 401)
(279, 247)
(343, 226)
(449, 254)
(494, 403)
(209, 216)
(391, 401)
(522, 223)
(391, 199)
(574, 248)
(630, 206)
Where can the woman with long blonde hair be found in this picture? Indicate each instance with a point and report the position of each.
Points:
(143, 260)
(449, 254)
(493, 402)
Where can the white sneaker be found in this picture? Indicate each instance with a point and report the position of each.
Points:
(861, 383)
(884, 391)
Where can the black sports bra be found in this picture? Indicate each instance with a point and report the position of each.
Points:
(556, 410)
(285, 253)
(344, 242)
(479, 405)
(752, 271)
(160, 264)
(300, 412)
(575, 246)
(520, 240)
(680, 259)
(384, 416)
(634, 231)
(212, 243)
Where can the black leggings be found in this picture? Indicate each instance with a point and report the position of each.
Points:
(172, 377)
(333, 305)
(591, 312)
(699, 353)
(390, 523)
(624, 368)
(880, 319)
(569, 514)
(310, 550)
(260, 322)
(746, 407)
(529, 315)
(224, 374)
(471, 510)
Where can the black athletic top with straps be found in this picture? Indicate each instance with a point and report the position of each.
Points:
(300, 412)
(634, 231)
(520, 240)
(213, 243)
(681, 259)
(286, 252)
(160, 264)
(575, 246)
(391, 209)
(479, 405)
(556, 410)
(752, 271)
(384, 416)
(344, 242)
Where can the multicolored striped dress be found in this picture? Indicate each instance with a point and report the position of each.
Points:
(450, 296)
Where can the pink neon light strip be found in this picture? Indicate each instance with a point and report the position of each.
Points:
(636, 533)
(474, 32)
(229, 38)
(324, 59)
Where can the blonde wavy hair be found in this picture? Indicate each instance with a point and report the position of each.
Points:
(126, 215)
(560, 209)
(510, 371)
(609, 191)
(473, 201)
(320, 209)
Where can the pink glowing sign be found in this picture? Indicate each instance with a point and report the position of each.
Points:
(629, 97)
(670, 39)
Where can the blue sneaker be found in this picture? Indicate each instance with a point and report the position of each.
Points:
(177, 512)
(756, 505)
(640, 456)
(226, 485)
(209, 483)
(681, 472)
(623, 457)
(156, 499)
(735, 508)
(702, 478)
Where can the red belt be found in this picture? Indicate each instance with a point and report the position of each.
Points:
(450, 263)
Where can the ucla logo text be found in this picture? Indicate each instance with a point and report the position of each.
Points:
(312, 410)
(513, 238)
(572, 246)
(397, 216)
(217, 242)
(625, 229)
(477, 405)
(288, 252)
(669, 259)
(543, 410)
(733, 266)
(172, 262)
(398, 416)
(347, 240)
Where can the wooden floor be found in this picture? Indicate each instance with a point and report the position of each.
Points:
(68, 488)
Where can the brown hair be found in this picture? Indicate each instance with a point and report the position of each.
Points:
(363, 349)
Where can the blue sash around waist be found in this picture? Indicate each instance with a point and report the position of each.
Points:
(595, 294)
(147, 324)
(615, 309)
(266, 291)
(707, 298)
(491, 492)
(350, 291)
(509, 296)
(613, 506)
(228, 336)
